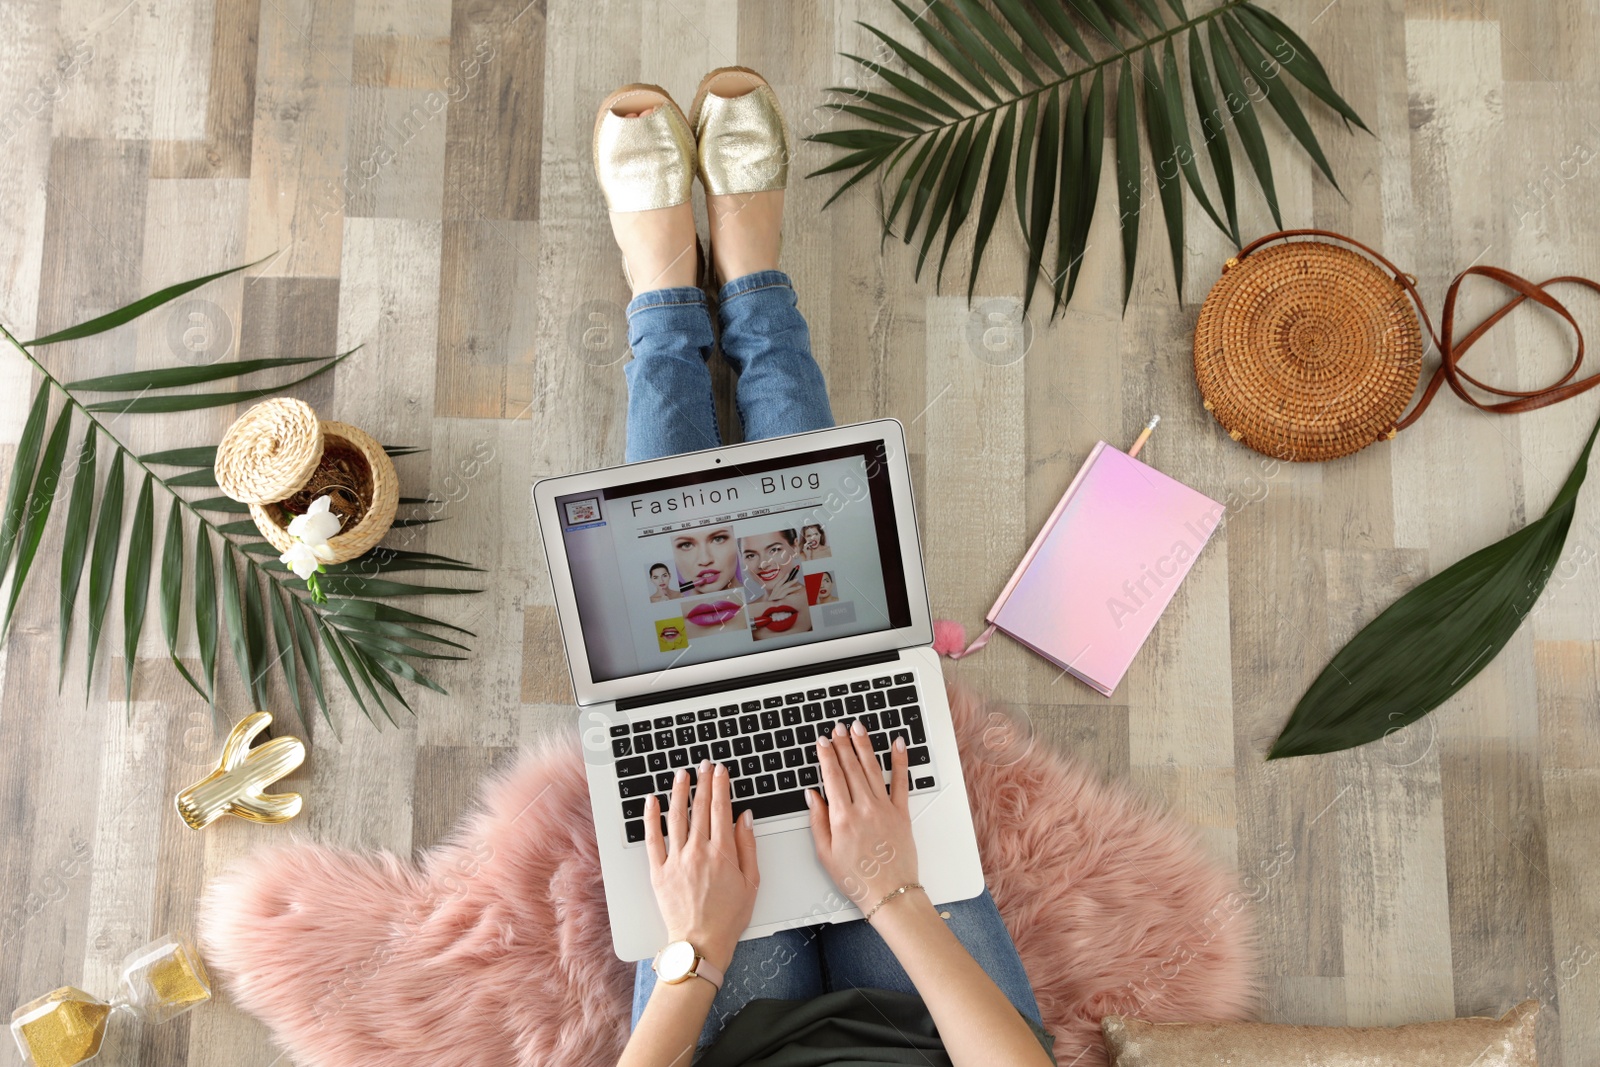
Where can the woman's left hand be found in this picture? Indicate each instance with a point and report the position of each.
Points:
(704, 874)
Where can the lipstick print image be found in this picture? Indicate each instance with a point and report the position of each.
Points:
(707, 560)
(672, 634)
(714, 614)
(819, 588)
(784, 612)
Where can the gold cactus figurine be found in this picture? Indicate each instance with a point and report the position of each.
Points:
(238, 785)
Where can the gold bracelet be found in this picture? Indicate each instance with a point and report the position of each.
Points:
(890, 896)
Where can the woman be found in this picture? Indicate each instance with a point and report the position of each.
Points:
(661, 584)
(778, 597)
(813, 542)
(825, 593)
(708, 560)
(953, 968)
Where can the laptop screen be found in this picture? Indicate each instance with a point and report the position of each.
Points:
(735, 560)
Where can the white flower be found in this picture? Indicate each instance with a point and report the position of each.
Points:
(302, 559)
(316, 525)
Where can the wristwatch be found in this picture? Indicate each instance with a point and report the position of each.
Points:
(678, 962)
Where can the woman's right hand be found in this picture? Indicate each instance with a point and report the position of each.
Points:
(863, 830)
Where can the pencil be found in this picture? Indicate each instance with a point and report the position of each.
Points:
(1144, 435)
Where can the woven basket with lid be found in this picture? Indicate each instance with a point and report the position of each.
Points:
(279, 451)
(1311, 350)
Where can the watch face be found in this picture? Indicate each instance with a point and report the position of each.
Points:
(673, 964)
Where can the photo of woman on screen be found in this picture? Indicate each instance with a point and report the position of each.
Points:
(707, 560)
(778, 593)
(814, 542)
(661, 584)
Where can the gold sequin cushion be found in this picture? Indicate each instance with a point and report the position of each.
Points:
(1476, 1042)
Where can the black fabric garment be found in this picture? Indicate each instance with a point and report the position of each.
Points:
(845, 1028)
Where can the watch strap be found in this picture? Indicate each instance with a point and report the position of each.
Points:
(707, 970)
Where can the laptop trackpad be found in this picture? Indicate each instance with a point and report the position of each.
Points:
(794, 885)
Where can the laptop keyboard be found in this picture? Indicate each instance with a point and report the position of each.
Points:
(768, 745)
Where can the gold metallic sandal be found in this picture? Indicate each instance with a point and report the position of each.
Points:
(644, 163)
(743, 141)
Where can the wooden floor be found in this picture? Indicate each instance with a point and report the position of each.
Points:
(420, 172)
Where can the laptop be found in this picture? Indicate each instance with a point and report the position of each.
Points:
(727, 605)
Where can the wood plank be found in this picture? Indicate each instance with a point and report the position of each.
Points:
(224, 150)
(980, 458)
(1569, 766)
(1391, 831)
(298, 187)
(485, 363)
(493, 144)
(449, 780)
(387, 62)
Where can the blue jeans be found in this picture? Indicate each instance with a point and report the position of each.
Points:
(764, 339)
(808, 961)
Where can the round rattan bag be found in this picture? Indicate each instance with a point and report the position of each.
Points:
(278, 457)
(1307, 351)
(1310, 350)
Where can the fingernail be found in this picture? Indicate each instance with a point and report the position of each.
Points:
(747, 818)
(722, 770)
(705, 766)
(808, 798)
(899, 744)
(822, 742)
(680, 775)
(858, 730)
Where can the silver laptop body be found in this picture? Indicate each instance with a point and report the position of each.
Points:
(725, 604)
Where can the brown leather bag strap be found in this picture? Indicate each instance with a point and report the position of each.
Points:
(1451, 350)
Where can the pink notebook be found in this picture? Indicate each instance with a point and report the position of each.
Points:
(1105, 566)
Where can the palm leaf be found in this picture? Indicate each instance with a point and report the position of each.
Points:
(947, 192)
(172, 592)
(149, 405)
(330, 645)
(1129, 180)
(980, 19)
(1428, 644)
(40, 501)
(338, 608)
(1019, 179)
(75, 541)
(233, 617)
(955, 81)
(1178, 129)
(140, 381)
(1083, 151)
(971, 174)
(1164, 151)
(1278, 95)
(205, 610)
(1245, 122)
(1044, 193)
(994, 191)
(103, 559)
(308, 656)
(136, 584)
(1214, 131)
(112, 319)
(22, 468)
(284, 639)
(394, 629)
(95, 540)
(1296, 57)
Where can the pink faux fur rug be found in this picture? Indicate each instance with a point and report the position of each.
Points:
(493, 949)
